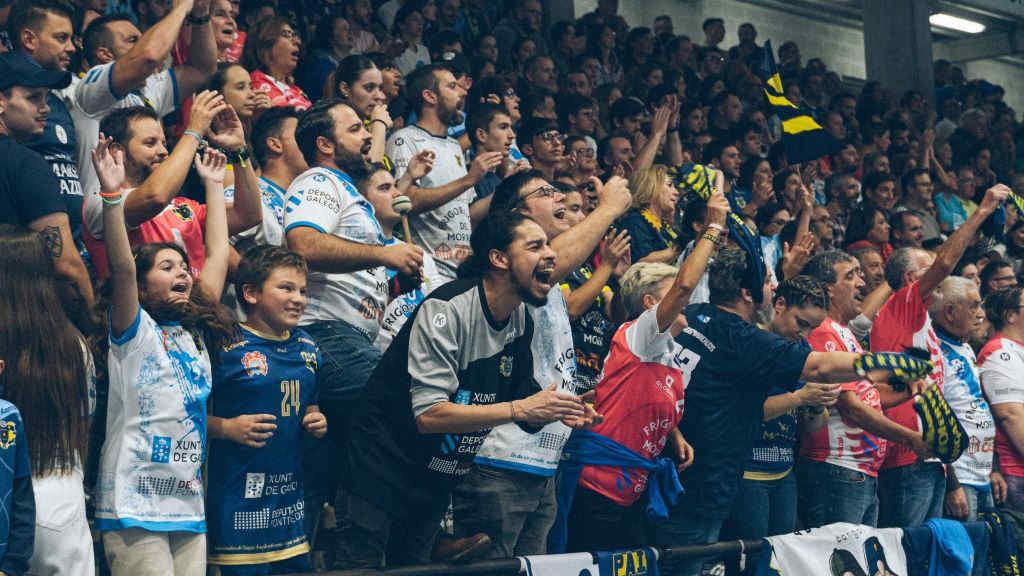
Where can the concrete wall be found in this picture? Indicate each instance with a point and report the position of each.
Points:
(841, 47)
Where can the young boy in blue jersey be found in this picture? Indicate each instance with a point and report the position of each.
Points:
(264, 397)
(18, 511)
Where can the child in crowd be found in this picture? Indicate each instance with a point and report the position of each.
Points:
(162, 324)
(264, 398)
(51, 378)
(18, 515)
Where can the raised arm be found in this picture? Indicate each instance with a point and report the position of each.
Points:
(211, 168)
(947, 256)
(693, 267)
(616, 247)
(247, 210)
(163, 184)
(202, 52)
(148, 55)
(577, 243)
(659, 128)
(124, 305)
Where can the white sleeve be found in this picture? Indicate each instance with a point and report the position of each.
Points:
(1002, 378)
(95, 93)
(161, 91)
(400, 150)
(314, 201)
(644, 339)
(93, 213)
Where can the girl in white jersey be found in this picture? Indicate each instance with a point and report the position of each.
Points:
(49, 376)
(150, 490)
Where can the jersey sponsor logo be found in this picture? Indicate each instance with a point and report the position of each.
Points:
(439, 320)
(370, 309)
(1004, 356)
(184, 212)
(319, 178)
(8, 433)
(830, 346)
(505, 366)
(161, 449)
(255, 363)
(254, 482)
(62, 135)
(632, 563)
(310, 359)
(399, 141)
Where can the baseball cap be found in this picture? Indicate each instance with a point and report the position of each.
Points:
(16, 69)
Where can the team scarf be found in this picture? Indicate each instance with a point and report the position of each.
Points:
(695, 179)
(940, 428)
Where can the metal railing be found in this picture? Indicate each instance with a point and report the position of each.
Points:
(513, 566)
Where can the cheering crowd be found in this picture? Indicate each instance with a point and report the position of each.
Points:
(427, 280)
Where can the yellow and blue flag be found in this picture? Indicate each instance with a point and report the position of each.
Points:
(802, 136)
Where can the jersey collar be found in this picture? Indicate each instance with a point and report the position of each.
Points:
(265, 335)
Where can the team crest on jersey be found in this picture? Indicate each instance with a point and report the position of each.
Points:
(184, 211)
(255, 363)
(8, 433)
(319, 178)
(458, 158)
(310, 359)
(505, 366)
(62, 136)
(830, 346)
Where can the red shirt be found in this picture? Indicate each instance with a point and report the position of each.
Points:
(1001, 369)
(902, 323)
(640, 396)
(841, 442)
(281, 94)
(182, 222)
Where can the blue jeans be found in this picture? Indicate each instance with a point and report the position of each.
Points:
(684, 529)
(978, 500)
(348, 358)
(910, 495)
(763, 508)
(1014, 492)
(836, 494)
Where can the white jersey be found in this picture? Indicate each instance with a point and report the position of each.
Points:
(839, 548)
(152, 460)
(329, 202)
(444, 231)
(1001, 367)
(962, 390)
(93, 98)
(554, 360)
(271, 229)
(400, 309)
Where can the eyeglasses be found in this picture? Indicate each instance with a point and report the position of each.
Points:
(545, 191)
(585, 152)
(289, 34)
(551, 136)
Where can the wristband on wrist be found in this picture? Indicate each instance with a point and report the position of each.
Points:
(715, 226)
(199, 137)
(710, 237)
(379, 120)
(112, 199)
(239, 156)
(512, 410)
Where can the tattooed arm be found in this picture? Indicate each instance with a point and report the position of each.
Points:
(56, 232)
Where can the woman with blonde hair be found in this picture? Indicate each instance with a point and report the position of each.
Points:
(651, 220)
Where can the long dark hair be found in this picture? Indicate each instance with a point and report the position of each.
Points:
(46, 375)
(203, 315)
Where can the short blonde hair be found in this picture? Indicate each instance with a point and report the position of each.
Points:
(641, 279)
(646, 185)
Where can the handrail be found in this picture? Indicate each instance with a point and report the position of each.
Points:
(511, 566)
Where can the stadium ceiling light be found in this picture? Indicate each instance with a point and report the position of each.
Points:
(944, 20)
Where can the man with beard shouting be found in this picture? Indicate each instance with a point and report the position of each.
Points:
(333, 226)
(441, 221)
(460, 366)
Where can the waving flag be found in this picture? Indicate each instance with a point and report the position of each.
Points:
(802, 136)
